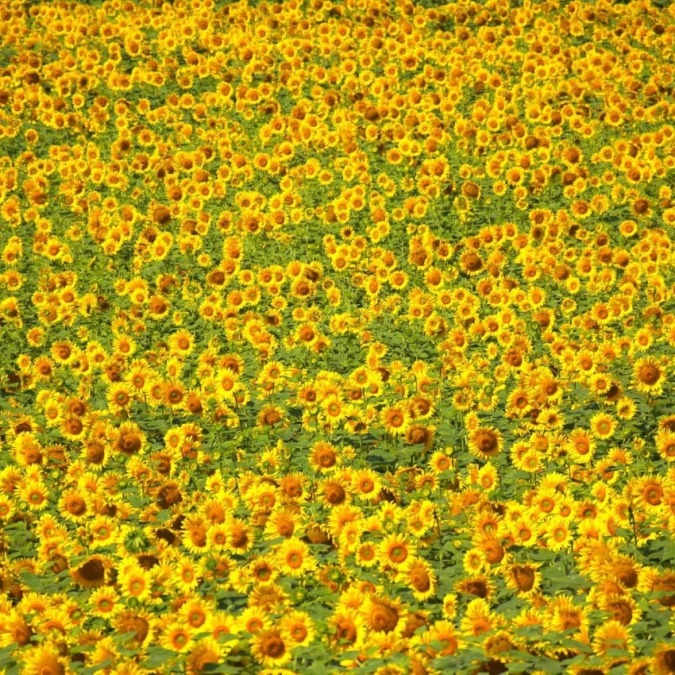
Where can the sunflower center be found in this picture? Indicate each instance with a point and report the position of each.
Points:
(273, 646)
(653, 495)
(383, 618)
(180, 640)
(396, 420)
(398, 553)
(76, 506)
(294, 560)
(420, 580)
(524, 577)
(649, 374)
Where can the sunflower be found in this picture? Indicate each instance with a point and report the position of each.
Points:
(124, 346)
(240, 537)
(418, 434)
(580, 446)
(105, 602)
(366, 554)
(649, 375)
(44, 659)
(395, 551)
(486, 442)
(174, 394)
(42, 368)
(205, 653)
(441, 461)
(282, 523)
(471, 263)
(177, 638)
(648, 492)
(602, 426)
(622, 607)
(7, 507)
(227, 383)
(518, 403)
(120, 396)
(90, 574)
(181, 343)
(223, 624)
(366, 484)
(625, 408)
(217, 536)
(663, 659)
(271, 648)
(444, 634)
(612, 635)
(419, 576)
(254, 619)
(196, 614)
(74, 505)
(299, 627)
(523, 578)
(478, 585)
(269, 597)
(564, 614)
(383, 615)
(488, 477)
(35, 494)
(324, 457)
(333, 410)
(64, 352)
(478, 619)
(395, 419)
(194, 537)
(665, 444)
(558, 534)
(270, 416)
(128, 439)
(136, 622)
(186, 575)
(294, 557)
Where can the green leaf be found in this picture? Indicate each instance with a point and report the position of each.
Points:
(158, 657)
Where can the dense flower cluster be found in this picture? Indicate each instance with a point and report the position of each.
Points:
(337, 335)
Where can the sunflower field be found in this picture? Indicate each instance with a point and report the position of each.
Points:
(337, 336)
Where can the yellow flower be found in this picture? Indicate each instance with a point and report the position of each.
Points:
(649, 375)
(558, 534)
(395, 419)
(612, 635)
(625, 408)
(366, 484)
(602, 425)
(383, 615)
(298, 626)
(665, 444)
(294, 557)
(35, 495)
(580, 446)
(177, 637)
(271, 648)
(43, 658)
(486, 442)
(120, 396)
(104, 602)
(182, 343)
(419, 576)
(74, 505)
(396, 551)
(524, 578)
(478, 618)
